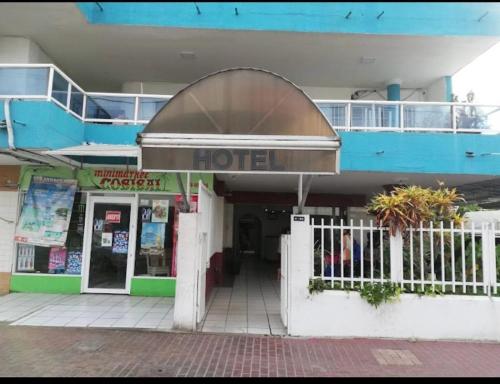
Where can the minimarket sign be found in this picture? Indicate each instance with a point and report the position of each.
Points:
(115, 179)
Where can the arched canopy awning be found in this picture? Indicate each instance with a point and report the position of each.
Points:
(240, 120)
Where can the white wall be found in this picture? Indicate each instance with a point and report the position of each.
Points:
(188, 265)
(331, 93)
(8, 211)
(342, 314)
(436, 91)
(21, 50)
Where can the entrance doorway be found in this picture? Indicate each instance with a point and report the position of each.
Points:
(109, 245)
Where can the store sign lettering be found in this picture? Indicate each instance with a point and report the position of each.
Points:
(126, 180)
(241, 159)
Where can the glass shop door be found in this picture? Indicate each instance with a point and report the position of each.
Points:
(109, 244)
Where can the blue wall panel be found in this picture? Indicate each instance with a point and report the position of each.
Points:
(49, 126)
(420, 152)
(40, 124)
(432, 19)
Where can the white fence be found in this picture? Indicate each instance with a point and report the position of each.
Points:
(443, 258)
(48, 82)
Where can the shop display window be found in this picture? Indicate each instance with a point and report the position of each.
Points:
(153, 255)
(57, 260)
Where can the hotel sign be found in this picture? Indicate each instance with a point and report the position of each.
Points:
(231, 160)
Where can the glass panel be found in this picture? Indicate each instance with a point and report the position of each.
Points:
(375, 115)
(335, 113)
(473, 117)
(110, 107)
(109, 248)
(76, 102)
(154, 236)
(148, 107)
(67, 260)
(60, 88)
(24, 81)
(427, 116)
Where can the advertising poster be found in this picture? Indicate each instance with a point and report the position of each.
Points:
(57, 260)
(25, 258)
(106, 239)
(46, 212)
(153, 235)
(159, 213)
(120, 242)
(74, 263)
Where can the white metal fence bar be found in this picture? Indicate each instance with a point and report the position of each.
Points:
(436, 266)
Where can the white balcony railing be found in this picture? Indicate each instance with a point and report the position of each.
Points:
(47, 82)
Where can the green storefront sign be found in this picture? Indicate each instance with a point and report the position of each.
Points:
(119, 180)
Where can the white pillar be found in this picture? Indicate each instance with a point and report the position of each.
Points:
(185, 307)
(396, 251)
(300, 267)
(489, 255)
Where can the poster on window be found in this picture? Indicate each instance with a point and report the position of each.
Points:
(25, 258)
(46, 212)
(74, 265)
(57, 260)
(153, 235)
(120, 242)
(159, 211)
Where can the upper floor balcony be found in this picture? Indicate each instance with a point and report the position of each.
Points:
(49, 83)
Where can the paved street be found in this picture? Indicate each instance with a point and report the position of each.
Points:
(51, 351)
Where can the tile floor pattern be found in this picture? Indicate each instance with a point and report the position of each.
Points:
(252, 305)
(94, 310)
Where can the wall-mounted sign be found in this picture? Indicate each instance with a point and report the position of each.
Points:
(113, 217)
(229, 160)
(115, 179)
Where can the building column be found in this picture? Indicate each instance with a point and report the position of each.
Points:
(394, 90)
(448, 89)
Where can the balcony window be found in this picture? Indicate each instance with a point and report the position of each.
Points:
(148, 107)
(110, 107)
(335, 113)
(375, 115)
(473, 117)
(427, 116)
(60, 88)
(76, 102)
(24, 81)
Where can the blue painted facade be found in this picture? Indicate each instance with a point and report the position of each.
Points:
(430, 19)
(48, 126)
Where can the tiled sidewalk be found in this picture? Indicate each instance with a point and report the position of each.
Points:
(51, 351)
(87, 311)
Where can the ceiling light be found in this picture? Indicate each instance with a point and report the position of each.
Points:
(188, 55)
(367, 60)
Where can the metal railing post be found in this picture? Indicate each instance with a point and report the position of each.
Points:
(68, 97)
(401, 117)
(454, 118)
(50, 81)
(348, 122)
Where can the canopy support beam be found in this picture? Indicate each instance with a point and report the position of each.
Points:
(303, 190)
